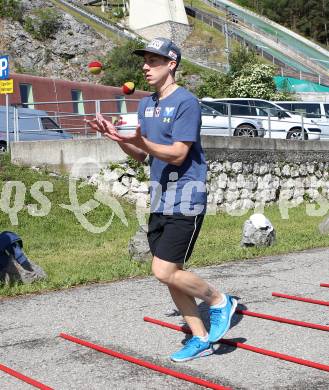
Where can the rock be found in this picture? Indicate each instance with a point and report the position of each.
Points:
(13, 272)
(113, 176)
(126, 181)
(237, 167)
(142, 188)
(257, 231)
(65, 56)
(118, 189)
(138, 246)
(286, 170)
(130, 172)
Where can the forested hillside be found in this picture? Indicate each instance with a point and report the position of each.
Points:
(308, 17)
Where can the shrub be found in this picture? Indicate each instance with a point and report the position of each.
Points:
(11, 9)
(43, 24)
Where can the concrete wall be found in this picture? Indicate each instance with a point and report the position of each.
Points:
(313, 96)
(145, 13)
(63, 156)
(264, 150)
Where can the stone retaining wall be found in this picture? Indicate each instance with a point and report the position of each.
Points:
(244, 174)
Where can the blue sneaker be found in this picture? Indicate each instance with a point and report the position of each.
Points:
(193, 349)
(220, 319)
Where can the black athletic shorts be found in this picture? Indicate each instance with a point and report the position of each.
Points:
(172, 237)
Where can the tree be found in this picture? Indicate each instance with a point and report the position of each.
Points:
(254, 80)
(239, 57)
(214, 84)
(248, 77)
(121, 65)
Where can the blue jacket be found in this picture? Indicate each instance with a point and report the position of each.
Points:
(11, 244)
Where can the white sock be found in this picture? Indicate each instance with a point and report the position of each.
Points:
(204, 338)
(220, 304)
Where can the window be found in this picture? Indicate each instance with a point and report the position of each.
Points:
(218, 106)
(266, 108)
(26, 95)
(285, 106)
(312, 110)
(242, 108)
(77, 100)
(326, 110)
(207, 110)
(49, 124)
(121, 104)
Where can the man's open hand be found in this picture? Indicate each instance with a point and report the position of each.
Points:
(105, 127)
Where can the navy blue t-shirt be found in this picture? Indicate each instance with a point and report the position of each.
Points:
(177, 117)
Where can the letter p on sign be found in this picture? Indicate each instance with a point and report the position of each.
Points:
(4, 67)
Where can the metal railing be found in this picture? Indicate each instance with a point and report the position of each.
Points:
(277, 122)
(48, 122)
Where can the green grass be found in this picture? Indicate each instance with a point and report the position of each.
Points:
(206, 36)
(204, 7)
(73, 256)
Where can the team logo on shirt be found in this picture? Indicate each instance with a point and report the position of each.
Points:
(157, 112)
(169, 111)
(149, 111)
(168, 114)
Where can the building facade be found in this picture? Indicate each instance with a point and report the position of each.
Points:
(68, 101)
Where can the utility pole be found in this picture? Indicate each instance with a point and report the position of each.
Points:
(227, 38)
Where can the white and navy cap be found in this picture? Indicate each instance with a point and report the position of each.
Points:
(163, 47)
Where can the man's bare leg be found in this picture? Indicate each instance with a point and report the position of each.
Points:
(189, 310)
(184, 286)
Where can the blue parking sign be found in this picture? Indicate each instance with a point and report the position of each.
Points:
(4, 67)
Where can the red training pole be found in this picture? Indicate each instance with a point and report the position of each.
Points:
(24, 378)
(283, 320)
(309, 300)
(146, 364)
(324, 284)
(262, 351)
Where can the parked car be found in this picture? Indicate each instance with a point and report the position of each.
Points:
(317, 111)
(126, 123)
(213, 123)
(282, 123)
(33, 125)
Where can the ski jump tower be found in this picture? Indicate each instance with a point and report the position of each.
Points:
(159, 18)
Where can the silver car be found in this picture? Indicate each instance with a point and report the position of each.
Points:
(215, 123)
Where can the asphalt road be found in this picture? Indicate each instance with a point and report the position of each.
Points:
(112, 315)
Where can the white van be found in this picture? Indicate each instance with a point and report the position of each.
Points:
(283, 124)
(318, 111)
(33, 125)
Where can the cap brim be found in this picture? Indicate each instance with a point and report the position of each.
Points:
(141, 52)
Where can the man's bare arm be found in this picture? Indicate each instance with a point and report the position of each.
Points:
(108, 130)
(174, 154)
(133, 151)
